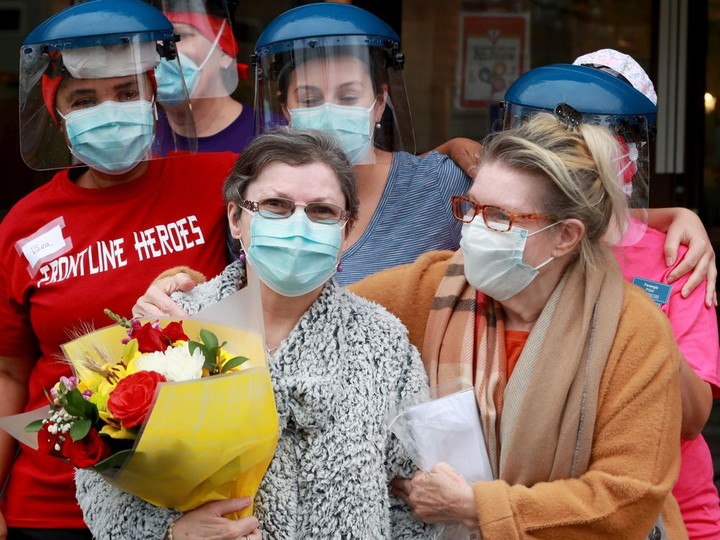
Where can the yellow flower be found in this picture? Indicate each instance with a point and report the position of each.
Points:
(129, 354)
(223, 357)
(113, 429)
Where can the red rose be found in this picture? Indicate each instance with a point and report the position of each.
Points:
(130, 402)
(86, 452)
(174, 332)
(47, 442)
(149, 339)
(152, 339)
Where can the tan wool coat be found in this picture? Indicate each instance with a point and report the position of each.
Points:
(635, 451)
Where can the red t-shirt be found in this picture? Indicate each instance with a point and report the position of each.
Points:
(69, 252)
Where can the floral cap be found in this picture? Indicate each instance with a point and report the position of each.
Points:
(624, 65)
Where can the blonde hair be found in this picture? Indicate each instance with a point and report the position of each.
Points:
(579, 170)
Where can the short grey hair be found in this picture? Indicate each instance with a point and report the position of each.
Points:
(292, 147)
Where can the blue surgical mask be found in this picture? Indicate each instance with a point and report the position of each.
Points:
(494, 260)
(293, 256)
(170, 90)
(170, 79)
(111, 137)
(351, 126)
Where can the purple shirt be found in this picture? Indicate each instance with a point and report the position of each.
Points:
(234, 138)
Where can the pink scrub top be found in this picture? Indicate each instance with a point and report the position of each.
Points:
(696, 332)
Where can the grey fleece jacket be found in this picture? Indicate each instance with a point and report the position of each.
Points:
(336, 378)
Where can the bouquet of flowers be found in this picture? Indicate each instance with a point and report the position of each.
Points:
(174, 420)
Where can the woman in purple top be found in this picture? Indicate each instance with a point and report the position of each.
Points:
(207, 51)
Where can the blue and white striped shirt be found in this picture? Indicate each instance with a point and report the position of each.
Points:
(413, 216)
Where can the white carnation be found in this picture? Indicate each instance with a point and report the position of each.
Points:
(176, 363)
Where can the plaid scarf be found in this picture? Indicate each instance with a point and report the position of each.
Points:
(538, 426)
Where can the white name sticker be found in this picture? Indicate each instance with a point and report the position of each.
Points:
(45, 244)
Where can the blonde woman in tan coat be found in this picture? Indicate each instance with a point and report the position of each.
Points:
(575, 372)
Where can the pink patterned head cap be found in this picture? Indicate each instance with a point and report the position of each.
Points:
(625, 65)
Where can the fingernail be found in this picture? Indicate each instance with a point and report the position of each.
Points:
(669, 261)
(684, 293)
(670, 279)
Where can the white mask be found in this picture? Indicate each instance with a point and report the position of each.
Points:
(494, 260)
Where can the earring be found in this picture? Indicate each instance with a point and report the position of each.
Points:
(339, 267)
(378, 125)
(242, 257)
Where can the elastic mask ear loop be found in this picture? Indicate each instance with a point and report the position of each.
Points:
(214, 45)
(375, 125)
(630, 159)
(625, 167)
(543, 229)
(243, 251)
(538, 267)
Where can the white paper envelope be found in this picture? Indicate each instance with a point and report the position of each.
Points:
(446, 429)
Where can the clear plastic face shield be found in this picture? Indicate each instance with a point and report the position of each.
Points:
(350, 86)
(95, 104)
(634, 134)
(207, 51)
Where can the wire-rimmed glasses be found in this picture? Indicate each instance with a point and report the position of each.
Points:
(281, 208)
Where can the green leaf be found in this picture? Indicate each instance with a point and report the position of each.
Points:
(210, 362)
(80, 428)
(77, 405)
(208, 338)
(115, 461)
(193, 345)
(233, 363)
(34, 427)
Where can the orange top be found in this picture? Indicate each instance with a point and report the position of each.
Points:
(514, 343)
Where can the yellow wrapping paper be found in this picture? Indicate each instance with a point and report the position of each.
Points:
(204, 440)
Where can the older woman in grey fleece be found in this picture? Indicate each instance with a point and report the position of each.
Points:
(339, 364)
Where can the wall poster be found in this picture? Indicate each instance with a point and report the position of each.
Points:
(494, 51)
